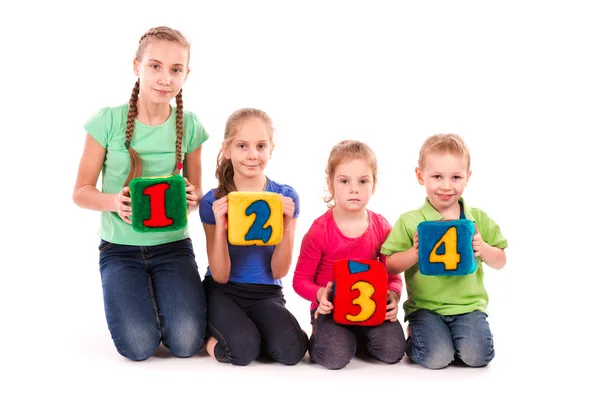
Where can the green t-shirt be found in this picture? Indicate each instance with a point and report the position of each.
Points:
(445, 295)
(156, 147)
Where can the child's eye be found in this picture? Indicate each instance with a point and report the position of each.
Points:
(364, 181)
(177, 70)
(344, 181)
(457, 177)
(437, 176)
(262, 146)
(241, 145)
(155, 66)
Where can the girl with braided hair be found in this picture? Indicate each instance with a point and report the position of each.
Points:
(151, 286)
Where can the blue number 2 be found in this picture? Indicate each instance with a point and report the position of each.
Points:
(257, 231)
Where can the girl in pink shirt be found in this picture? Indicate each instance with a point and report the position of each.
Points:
(347, 230)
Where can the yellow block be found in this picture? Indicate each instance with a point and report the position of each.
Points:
(254, 218)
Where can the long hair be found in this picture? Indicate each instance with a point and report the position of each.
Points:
(136, 168)
(224, 172)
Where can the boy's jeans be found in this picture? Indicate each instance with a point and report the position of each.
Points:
(436, 340)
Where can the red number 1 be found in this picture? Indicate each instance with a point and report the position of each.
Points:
(158, 212)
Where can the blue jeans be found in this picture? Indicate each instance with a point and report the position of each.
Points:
(436, 340)
(333, 345)
(153, 293)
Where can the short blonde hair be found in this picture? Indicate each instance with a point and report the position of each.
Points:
(445, 143)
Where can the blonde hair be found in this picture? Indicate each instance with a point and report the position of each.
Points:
(444, 143)
(344, 151)
(136, 167)
(224, 172)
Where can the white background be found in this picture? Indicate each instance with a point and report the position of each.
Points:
(518, 80)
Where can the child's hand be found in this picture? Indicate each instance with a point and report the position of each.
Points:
(219, 208)
(416, 241)
(477, 242)
(325, 305)
(288, 210)
(392, 306)
(122, 204)
(191, 196)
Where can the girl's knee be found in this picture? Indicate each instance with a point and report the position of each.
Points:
(241, 349)
(331, 355)
(137, 344)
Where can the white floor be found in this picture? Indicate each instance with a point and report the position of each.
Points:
(57, 344)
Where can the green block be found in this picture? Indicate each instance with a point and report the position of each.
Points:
(158, 204)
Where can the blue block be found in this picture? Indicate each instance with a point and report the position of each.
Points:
(446, 247)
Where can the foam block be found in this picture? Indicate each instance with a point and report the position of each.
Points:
(158, 204)
(359, 292)
(254, 218)
(446, 247)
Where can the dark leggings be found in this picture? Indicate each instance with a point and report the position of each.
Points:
(333, 345)
(250, 319)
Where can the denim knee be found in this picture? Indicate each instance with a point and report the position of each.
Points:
(437, 356)
(187, 338)
(137, 343)
(476, 353)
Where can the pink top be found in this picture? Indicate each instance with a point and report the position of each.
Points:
(324, 244)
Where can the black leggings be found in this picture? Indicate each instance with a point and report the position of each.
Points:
(250, 319)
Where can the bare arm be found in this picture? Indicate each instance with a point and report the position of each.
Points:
(85, 193)
(192, 170)
(493, 256)
(217, 248)
(401, 261)
(218, 253)
(281, 260)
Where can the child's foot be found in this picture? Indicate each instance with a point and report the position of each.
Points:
(211, 342)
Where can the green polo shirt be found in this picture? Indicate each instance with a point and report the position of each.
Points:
(445, 295)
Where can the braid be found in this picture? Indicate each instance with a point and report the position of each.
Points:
(135, 161)
(179, 126)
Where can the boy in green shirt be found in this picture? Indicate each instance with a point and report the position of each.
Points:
(446, 314)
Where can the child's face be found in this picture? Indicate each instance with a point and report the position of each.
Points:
(162, 71)
(445, 177)
(250, 148)
(352, 185)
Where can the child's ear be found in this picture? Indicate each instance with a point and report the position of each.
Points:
(226, 151)
(468, 177)
(136, 67)
(419, 175)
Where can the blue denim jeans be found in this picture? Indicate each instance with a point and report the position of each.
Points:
(437, 340)
(153, 293)
(333, 345)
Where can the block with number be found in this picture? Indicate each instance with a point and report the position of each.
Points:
(359, 292)
(446, 247)
(254, 218)
(158, 204)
